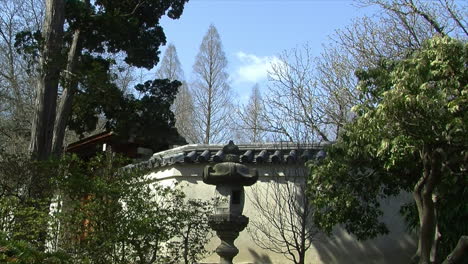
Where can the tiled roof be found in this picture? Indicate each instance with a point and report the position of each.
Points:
(264, 153)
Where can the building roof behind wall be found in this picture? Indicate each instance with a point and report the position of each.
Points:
(89, 147)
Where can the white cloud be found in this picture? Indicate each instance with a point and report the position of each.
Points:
(253, 68)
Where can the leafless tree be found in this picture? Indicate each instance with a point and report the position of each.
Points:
(211, 91)
(125, 75)
(338, 91)
(284, 218)
(183, 108)
(184, 112)
(250, 117)
(312, 97)
(170, 67)
(17, 74)
(445, 17)
(293, 99)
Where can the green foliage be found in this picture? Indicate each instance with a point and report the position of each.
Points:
(21, 252)
(101, 212)
(145, 115)
(20, 218)
(128, 27)
(189, 245)
(131, 27)
(115, 215)
(409, 107)
(28, 45)
(149, 116)
(97, 94)
(21, 221)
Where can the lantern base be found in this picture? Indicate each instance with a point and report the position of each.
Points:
(227, 227)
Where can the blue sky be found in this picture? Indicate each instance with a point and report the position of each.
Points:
(254, 32)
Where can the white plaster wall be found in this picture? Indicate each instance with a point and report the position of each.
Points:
(397, 247)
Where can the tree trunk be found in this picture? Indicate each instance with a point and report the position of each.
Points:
(186, 248)
(45, 104)
(47, 83)
(435, 258)
(431, 167)
(65, 106)
(208, 116)
(460, 251)
(427, 231)
(419, 205)
(303, 238)
(301, 257)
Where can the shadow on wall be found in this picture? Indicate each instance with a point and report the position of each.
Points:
(396, 247)
(344, 249)
(260, 258)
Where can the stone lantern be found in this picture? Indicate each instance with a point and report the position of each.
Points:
(230, 177)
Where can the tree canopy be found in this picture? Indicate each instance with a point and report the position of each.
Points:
(76, 50)
(409, 134)
(130, 28)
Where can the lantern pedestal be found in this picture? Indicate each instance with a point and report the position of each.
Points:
(227, 227)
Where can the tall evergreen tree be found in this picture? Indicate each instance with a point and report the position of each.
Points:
(95, 29)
